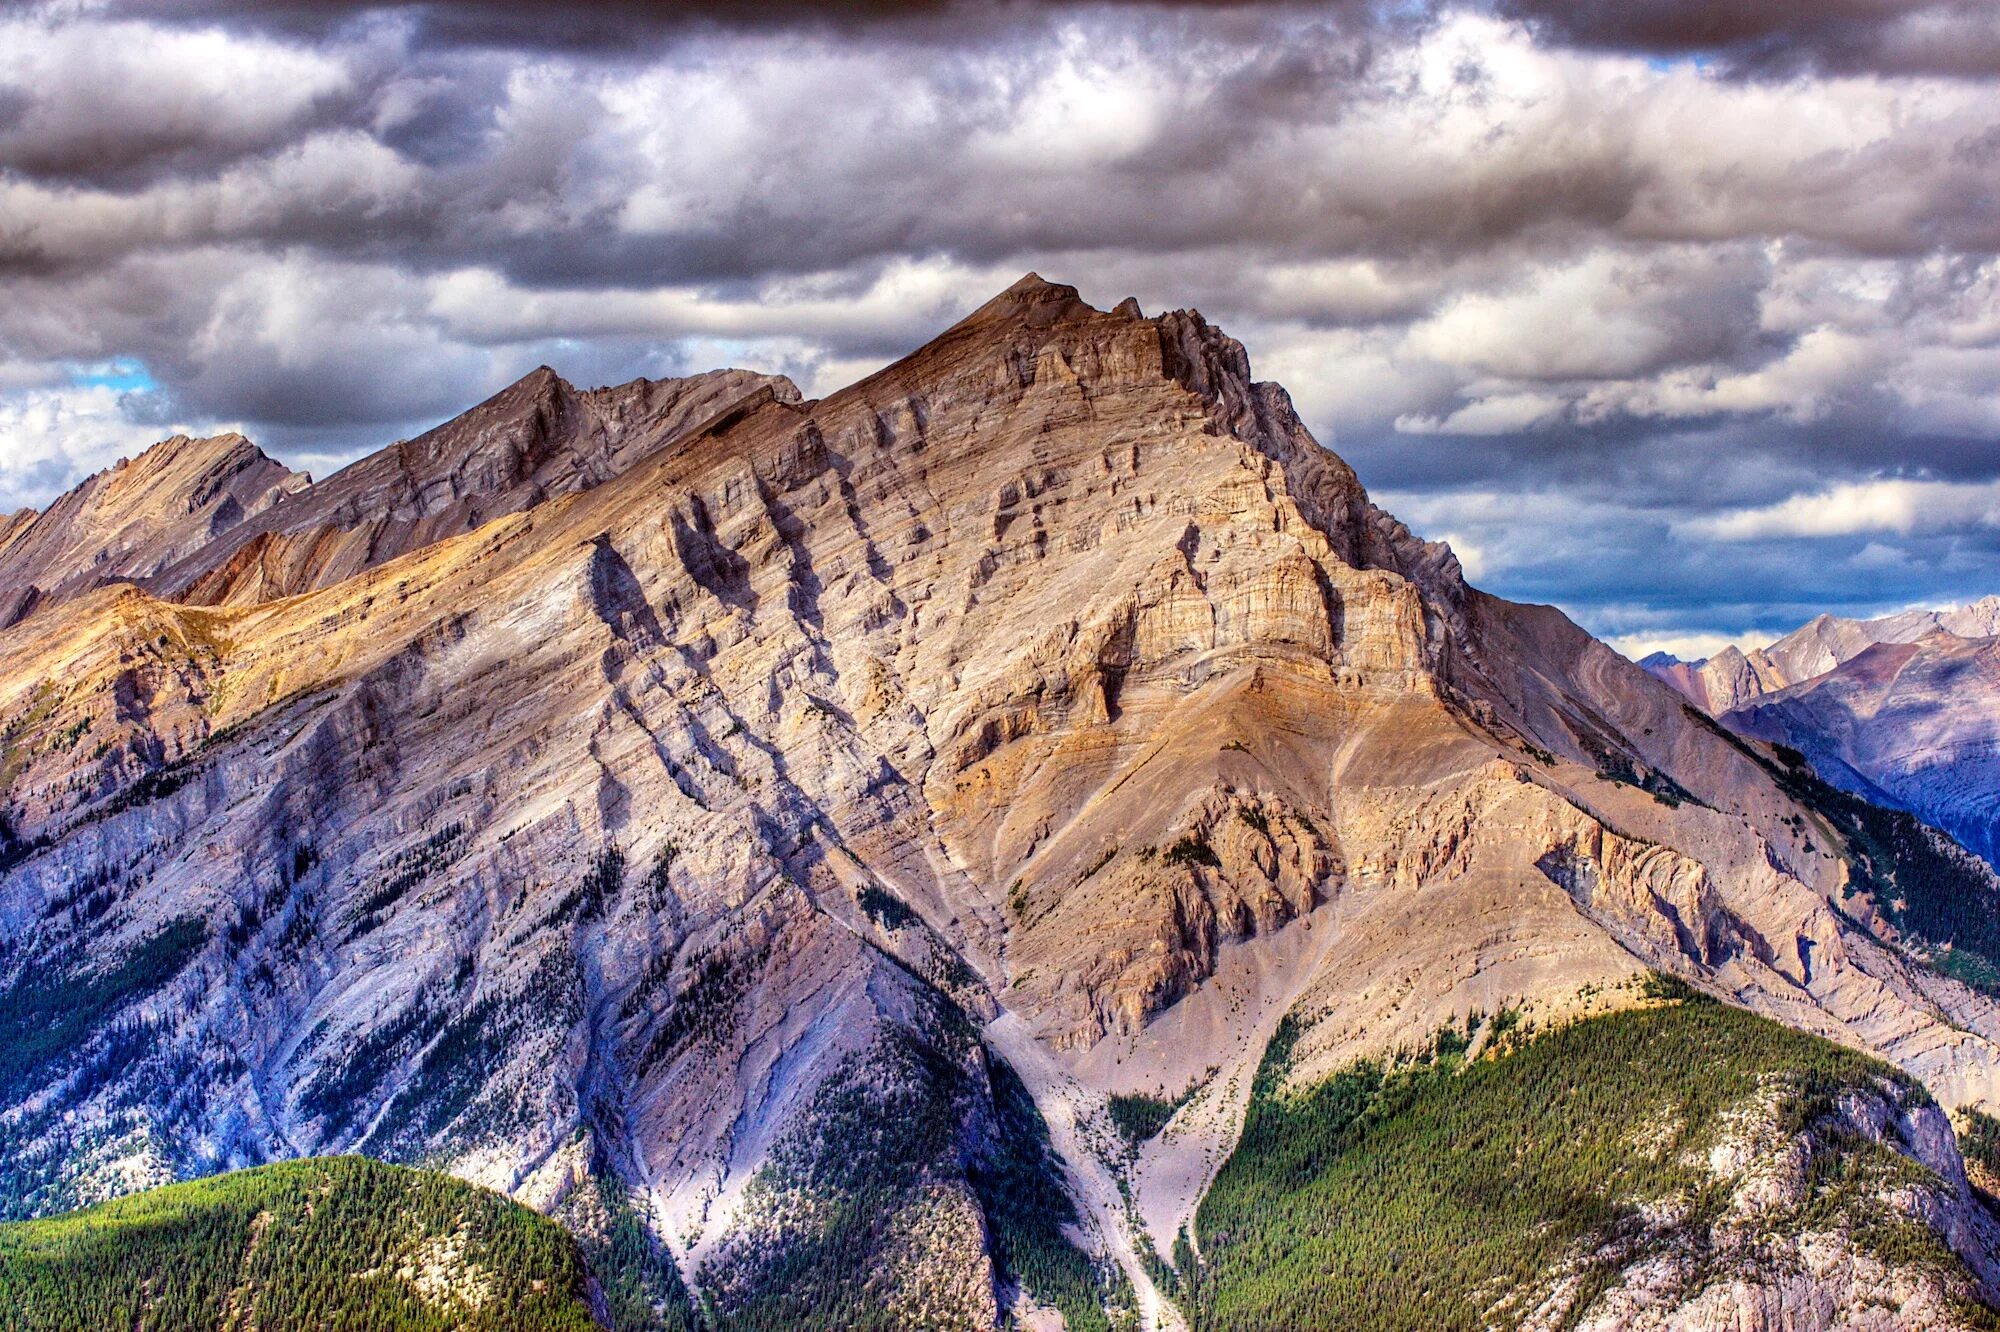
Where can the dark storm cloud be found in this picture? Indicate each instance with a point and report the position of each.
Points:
(1567, 281)
(1956, 37)
(631, 26)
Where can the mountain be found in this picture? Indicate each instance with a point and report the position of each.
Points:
(1732, 678)
(135, 519)
(537, 438)
(1913, 725)
(333, 1243)
(836, 841)
(215, 521)
(1903, 710)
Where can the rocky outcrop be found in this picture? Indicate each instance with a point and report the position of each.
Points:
(139, 517)
(1880, 1248)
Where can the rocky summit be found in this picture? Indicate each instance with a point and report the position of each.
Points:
(1022, 840)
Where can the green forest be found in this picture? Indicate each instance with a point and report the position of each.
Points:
(1419, 1196)
(332, 1244)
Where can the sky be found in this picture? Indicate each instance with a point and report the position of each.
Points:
(1683, 315)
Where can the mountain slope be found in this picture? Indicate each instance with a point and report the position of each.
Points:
(1666, 1167)
(338, 1242)
(1914, 725)
(536, 438)
(136, 518)
(1048, 698)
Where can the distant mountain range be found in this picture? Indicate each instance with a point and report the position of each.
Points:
(1904, 710)
(1023, 841)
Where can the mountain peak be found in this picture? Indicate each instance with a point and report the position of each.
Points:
(1032, 281)
(178, 447)
(539, 381)
(1033, 300)
(138, 516)
(540, 385)
(536, 438)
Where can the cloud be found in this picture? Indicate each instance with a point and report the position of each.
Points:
(106, 102)
(1606, 315)
(617, 25)
(53, 437)
(1785, 36)
(1690, 646)
(1884, 506)
(1497, 414)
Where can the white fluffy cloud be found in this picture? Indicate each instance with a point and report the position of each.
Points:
(1892, 506)
(104, 99)
(54, 436)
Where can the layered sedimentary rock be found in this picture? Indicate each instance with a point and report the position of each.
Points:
(648, 820)
(135, 519)
(534, 439)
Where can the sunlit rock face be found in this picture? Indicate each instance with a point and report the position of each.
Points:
(135, 519)
(632, 781)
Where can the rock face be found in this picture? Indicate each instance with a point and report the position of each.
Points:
(216, 522)
(535, 439)
(681, 771)
(130, 522)
(1778, 1257)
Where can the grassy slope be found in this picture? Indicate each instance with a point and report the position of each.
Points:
(1416, 1198)
(301, 1245)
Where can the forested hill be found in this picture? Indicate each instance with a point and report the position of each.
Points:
(330, 1243)
(1504, 1178)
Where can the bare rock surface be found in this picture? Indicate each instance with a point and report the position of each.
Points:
(535, 439)
(1771, 1261)
(136, 518)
